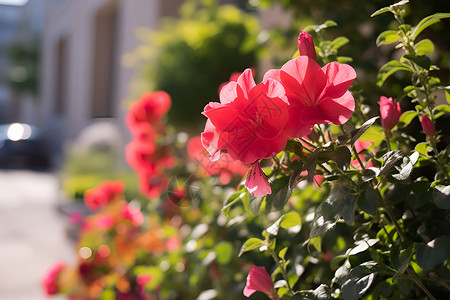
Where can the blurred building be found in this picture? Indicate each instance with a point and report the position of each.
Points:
(10, 16)
(82, 79)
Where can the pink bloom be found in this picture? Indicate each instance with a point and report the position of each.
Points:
(256, 182)
(103, 193)
(143, 279)
(75, 217)
(259, 280)
(390, 112)
(49, 279)
(133, 214)
(173, 243)
(248, 123)
(316, 95)
(359, 146)
(104, 221)
(149, 108)
(427, 126)
(306, 45)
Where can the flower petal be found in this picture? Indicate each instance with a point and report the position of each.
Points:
(338, 110)
(339, 78)
(228, 93)
(256, 182)
(245, 83)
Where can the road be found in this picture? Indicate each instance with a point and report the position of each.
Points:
(32, 232)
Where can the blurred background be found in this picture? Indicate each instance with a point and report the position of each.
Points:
(70, 68)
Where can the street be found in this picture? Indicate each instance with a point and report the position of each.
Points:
(32, 232)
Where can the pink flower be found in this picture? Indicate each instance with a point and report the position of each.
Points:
(306, 45)
(316, 95)
(173, 243)
(360, 146)
(248, 123)
(49, 279)
(142, 279)
(427, 126)
(103, 193)
(256, 182)
(390, 112)
(149, 108)
(133, 214)
(259, 280)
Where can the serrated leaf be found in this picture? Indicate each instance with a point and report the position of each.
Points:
(426, 22)
(362, 129)
(441, 196)
(388, 37)
(434, 253)
(424, 47)
(251, 244)
(390, 68)
(406, 118)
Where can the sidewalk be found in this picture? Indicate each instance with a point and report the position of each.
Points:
(32, 233)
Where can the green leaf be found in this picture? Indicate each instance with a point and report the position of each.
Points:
(255, 204)
(441, 110)
(424, 47)
(368, 202)
(405, 172)
(154, 271)
(338, 43)
(422, 61)
(422, 148)
(406, 118)
(390, 159)
(447, 96)
(311, 165)
(224, 251)
(290, 219)
(426, 22)
(281, 193)
(441, 196)
(320, 293)
(340, 203)
(359, 280)
(362, 129)
(403, 261)
(370, 173)
(388, 37)
(250, 244)
(434, 253)
(390, 68)
(380, 11)
(374, 133)
(282, 252)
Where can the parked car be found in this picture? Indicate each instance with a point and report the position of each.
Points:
(22, 146)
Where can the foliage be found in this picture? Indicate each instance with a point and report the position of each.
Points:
(355, 210)
(191, 56)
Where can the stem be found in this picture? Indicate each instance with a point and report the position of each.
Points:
(419, 283)
(307, 143)
(358, 158)
(387, 133)
(281, 266)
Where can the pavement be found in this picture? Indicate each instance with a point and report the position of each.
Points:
(32, 232)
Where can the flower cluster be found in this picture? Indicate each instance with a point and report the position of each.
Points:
(254, 121)
(112, 242)
(142, 153)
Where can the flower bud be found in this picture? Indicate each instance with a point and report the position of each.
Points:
(306, 45)
(390, 112)
(427, 126)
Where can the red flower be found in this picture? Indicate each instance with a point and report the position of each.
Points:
(427, 126)
(103, 193)
(316, 95)
(225, 166)
(149, 108)
(306, 45)
(249, 121)
(133, 214)
(256, 182)
(390, 112)
(49, 279)
(259, 280)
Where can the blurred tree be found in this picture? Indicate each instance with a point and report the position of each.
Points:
(24, 70)
(191, 56)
